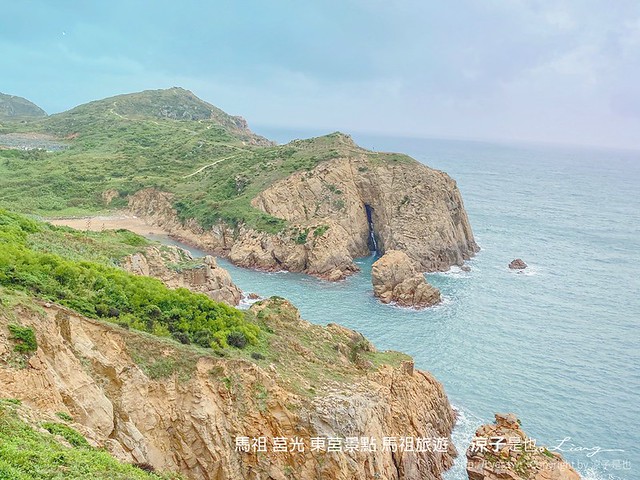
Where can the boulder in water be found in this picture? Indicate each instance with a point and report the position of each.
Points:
(395, 280)
(517, 264)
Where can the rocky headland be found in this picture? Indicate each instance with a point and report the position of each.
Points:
(503, 451)
(340, 210)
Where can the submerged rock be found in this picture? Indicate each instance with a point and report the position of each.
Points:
(502, 451)
(517, 264)
(395, 280)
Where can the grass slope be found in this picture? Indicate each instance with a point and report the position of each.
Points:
(167, 139)
(56, 451)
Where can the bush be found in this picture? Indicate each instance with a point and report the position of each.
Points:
(68, 433)
(181, 337)
(257, 356)
(24, 337)
(102, 291)
(237, 339)
(203, 338)
(64, 416)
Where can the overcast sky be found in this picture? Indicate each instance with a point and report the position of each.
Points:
(549, 71)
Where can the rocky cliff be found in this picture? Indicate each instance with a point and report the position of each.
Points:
(204, 277)
(502, 451)
(149, 400)
(341, 209)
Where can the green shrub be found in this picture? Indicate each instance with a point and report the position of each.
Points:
(301, 237)
(68, 433)
(321, 230)
(103, 291)
(24, 337)
(237, 339)
(64, 416)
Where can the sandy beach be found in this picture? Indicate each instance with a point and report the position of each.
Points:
(110, 222)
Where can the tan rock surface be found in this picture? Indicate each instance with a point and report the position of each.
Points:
(522, 460)
(113, 383)
(207, 278)
(395, 280)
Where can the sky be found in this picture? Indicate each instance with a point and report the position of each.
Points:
(557, 71)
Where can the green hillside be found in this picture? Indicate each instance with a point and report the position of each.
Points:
(16, 108)
(168, 139)
(78, 270)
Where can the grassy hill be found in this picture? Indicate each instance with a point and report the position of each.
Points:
(168, 139)
(17, 108)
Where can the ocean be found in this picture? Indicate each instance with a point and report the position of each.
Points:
(558, 344)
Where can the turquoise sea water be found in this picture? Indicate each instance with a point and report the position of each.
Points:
(558, 344)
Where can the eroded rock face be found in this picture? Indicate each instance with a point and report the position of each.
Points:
(207, 278)
(188, 421)
(512, 455)
(395, 280)
(413, 208)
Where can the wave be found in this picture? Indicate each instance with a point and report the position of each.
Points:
(466, 425)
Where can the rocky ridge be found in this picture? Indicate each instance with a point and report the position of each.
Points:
(395, 280)
(153, 401)
(338, 211)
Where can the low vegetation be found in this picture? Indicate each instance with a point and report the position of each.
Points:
(101, 291)
(56, 451)
(24, 338)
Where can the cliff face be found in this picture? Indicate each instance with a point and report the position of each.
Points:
(339, 211)
(178, 408)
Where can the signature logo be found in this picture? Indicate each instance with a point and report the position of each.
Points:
(565, 445)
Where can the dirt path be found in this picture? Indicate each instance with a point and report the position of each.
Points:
(210, 165)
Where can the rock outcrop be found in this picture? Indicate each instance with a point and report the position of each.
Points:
(517, 264)
(148, 400)
(336, 212)
(165, 262)
(502, 451)
(395, 280)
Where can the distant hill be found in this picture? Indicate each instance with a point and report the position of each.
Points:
(173, 103)
(14, 107)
